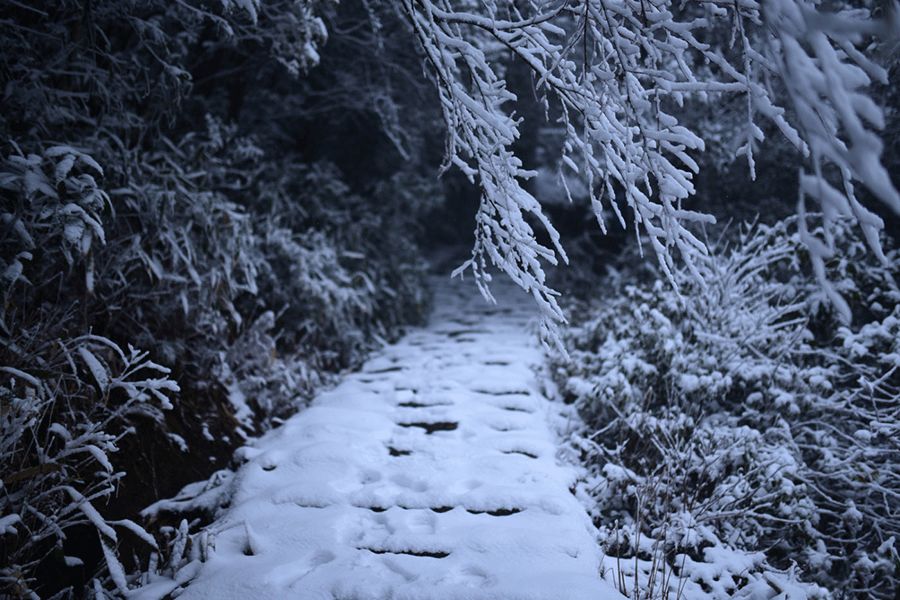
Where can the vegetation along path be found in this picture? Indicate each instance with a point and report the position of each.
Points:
(432, 473)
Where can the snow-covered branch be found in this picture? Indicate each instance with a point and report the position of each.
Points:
(615, 75)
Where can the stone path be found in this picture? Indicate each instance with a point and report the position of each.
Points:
(430, 474)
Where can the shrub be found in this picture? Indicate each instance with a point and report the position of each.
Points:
(163, 271)
(738, 432)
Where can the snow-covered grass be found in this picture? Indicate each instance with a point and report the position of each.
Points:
(741, 439)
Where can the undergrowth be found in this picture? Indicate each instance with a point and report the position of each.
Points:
(177, 270)
(741, 440)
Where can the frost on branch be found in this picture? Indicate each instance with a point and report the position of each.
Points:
(616, 75)
(479, 135)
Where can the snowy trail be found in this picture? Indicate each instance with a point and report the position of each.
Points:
(430, 474)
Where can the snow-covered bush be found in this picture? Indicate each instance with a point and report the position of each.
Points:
(137, 211)
(66, 406)
(322, 274)
(58, 212)
(735, 443)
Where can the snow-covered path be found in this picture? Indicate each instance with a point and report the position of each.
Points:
(430, 474)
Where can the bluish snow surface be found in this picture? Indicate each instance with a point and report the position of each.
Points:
(430, 474)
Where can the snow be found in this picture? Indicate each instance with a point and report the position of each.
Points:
(96, 368)
(202, 496)
(7, 524)
(430, 474)
(90, 512)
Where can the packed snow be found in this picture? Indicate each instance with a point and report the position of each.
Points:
(432, 473)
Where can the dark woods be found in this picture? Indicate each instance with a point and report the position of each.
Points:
(195, 234)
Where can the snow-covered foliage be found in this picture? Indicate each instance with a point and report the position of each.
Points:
(64, 412)
(736, 444)
(616, 75)
(203, 217)
(164, 272)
